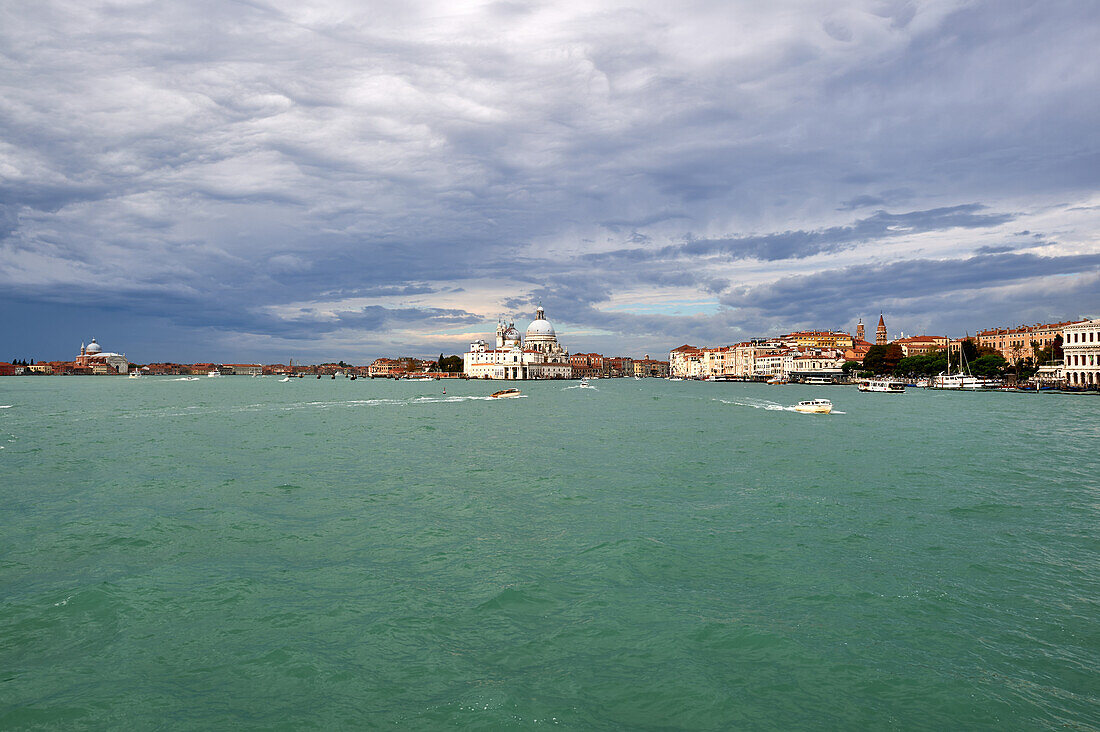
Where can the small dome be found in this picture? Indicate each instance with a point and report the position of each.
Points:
(93, 347)
(511, 334)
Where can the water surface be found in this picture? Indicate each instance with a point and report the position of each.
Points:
(247, 553)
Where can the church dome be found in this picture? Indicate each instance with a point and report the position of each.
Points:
(93, 348)
(511, 334)
(540, 327)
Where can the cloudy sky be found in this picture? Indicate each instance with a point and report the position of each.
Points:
(264, 179)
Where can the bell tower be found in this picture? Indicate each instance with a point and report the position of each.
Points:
(860, 332)
(880, 332)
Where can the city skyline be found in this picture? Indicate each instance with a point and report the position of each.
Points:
(272, 180)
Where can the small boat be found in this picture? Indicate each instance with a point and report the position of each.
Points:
(135, 374)
(585, 385)
(285, 378)
(675, 378)
(505, 394)
(214, 374)
(815, 406)
(883, 385)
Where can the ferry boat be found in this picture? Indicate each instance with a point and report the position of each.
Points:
(506, 394)
(815, 406)
(214, 374)
(884, 385)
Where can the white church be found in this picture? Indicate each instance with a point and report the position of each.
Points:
(537, 356)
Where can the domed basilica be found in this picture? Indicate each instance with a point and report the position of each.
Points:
(536, 356)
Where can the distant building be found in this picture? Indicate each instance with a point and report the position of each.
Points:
(541, 357)
(685, 362)
(918, 345)
(242, 369)
(860, 334)
(1015, 343)
(648, 367)
(1081, 350)
(100, 361)
(880, 332)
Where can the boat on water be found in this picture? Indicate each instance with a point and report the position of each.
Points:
(962, 380)
(285, 378)
(674, 378)
(885, 386)
(815, 406)
(504, 393)
(214, 374)
(585, 385)
(135, 374)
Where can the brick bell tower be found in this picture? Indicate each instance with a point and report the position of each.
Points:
(880, 332)
(860, 332)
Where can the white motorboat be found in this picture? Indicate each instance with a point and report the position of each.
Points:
(504, 393)
(214, 374)
(135, 374)
(585, 385)
(285, 378)
(883, 385)
(815, 406)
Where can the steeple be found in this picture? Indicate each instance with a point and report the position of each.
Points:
(880, 332)
(860, 332)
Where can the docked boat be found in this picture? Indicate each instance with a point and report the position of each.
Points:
(883, 385)
(506, 394)
(815, 406)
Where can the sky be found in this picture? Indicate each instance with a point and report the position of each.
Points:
(260, 180)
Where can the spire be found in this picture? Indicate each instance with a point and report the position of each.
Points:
(881, 322)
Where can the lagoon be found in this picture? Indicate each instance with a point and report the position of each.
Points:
(646, 554)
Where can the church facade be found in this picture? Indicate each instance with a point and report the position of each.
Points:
(538, 355)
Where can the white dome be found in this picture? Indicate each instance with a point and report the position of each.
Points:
(540, 327)
(93, 347)
(511, 334)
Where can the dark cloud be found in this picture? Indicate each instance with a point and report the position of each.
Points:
(208, 167)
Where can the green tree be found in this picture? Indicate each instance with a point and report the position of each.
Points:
(451, 364)
(991, 364)
(883, 359)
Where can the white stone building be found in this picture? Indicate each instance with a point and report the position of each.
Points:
(100, 361)
(1081, 354)
(541, 357)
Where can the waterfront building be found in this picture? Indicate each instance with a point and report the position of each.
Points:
(589, 365)
(917, 345)
(541, 357)
(242, 369)
(1016, 343)
(385, 367)
(648, 367)
(1081, 353)
(100, 361)
(818, 339)
(880, 332)
(685, 362)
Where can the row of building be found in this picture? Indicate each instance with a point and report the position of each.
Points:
(809, 354)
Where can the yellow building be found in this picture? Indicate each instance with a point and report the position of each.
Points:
(820, 339)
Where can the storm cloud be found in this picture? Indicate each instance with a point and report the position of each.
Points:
(334, 179)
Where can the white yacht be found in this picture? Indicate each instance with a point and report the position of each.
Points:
(883, 385)
(214, 374)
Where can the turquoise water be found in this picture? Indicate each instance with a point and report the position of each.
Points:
(245, 553)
